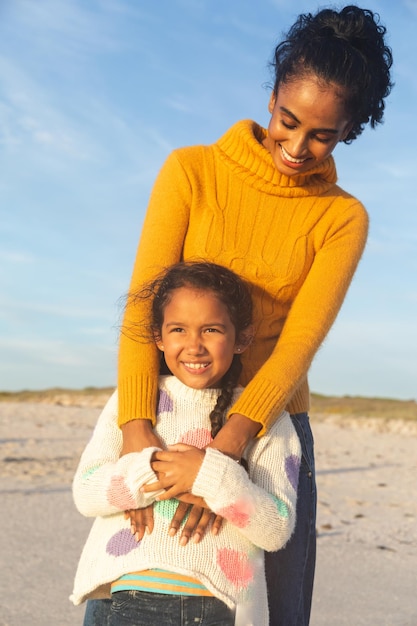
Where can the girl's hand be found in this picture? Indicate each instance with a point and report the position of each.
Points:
(177, 469)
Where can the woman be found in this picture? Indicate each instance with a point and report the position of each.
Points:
(265, 203)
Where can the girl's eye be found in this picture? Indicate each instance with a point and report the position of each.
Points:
(177, 330)
(212, 330)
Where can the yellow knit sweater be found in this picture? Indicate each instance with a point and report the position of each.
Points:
(296, 239)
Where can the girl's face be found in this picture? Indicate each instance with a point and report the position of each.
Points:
(308, 120)
(197, 338)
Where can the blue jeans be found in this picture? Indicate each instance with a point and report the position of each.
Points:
(290, 572)
(97, 613)
(140, 608)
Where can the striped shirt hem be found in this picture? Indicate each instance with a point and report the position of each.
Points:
(160, 581)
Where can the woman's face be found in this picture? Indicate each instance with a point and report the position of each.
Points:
(308, 120)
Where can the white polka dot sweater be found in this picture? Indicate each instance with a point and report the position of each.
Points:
(258, 507)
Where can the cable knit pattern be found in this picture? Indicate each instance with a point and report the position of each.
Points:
(296, 239)
(258, 508)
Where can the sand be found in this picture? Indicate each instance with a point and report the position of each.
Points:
(367, 518)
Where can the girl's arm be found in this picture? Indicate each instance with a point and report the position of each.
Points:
(262, 505)
(104, 483)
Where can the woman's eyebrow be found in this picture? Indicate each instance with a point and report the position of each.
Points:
(318, 130)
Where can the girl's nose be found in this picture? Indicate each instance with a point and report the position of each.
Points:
(194, 344)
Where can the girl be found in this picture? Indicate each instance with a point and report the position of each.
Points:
(201, 316)
(265, 203)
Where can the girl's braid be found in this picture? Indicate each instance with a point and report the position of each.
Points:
(224, 400)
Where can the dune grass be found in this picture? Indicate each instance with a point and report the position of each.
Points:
(321, 405)
(57, 395)
(358, 406)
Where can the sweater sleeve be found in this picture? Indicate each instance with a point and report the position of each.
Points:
(311, 316)
(160, 246)
(261, 505)
(105, 484)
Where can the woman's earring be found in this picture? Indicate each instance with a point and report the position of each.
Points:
(238, 349)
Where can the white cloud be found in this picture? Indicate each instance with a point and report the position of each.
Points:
(15, 257)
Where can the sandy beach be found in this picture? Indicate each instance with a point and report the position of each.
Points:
(367, 517)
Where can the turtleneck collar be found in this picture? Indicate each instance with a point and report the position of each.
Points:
(241, 148)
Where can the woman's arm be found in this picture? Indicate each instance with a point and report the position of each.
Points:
(160, 246)
(235, 435)
(311, 315)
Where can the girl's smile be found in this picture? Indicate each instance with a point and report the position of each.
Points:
(197, 337)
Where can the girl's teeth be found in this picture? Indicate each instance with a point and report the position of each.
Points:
(196, 366)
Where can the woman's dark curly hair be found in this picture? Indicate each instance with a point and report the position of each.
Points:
(228, 287)
(347, 48)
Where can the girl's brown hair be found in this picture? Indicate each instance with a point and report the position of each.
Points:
(229, 288)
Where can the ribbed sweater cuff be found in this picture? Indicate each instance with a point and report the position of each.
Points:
(300, 401)
(209, 479)
(137, 398)
(260, 402)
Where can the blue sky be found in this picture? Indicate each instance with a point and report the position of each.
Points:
(93, 96)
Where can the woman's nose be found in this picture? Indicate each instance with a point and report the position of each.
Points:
(296, 146)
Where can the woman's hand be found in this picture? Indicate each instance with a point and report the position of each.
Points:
(198, 522)
(177, 469)
(141, 521)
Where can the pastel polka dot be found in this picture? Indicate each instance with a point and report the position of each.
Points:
(165, 404)
(238, 513)
(118, 494)
(281, 506)
(90, 472)
(292, 469)
(235, 566)
(198, 437)
(166, 508)
(122, 543)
